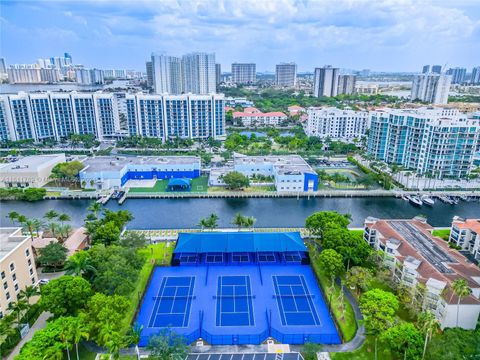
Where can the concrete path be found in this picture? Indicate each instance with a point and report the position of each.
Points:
(39, 324)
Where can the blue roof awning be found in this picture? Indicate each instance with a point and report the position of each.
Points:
(232, 242)
(179, 182)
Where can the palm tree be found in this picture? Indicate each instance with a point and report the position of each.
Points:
(63, 218)
(349, 255)
(64, 231)
(29, 292)
(95, 208)
(461, 289)
(428, 323)
(249, 221)
(29, 226)
(18, 308)
(52, 227)
(37, 224)
(13, 216)
(50, 215)
(79, 264)
(78, 332)
(115, 343)
(238, 220)
(65, 334)
(134, 336)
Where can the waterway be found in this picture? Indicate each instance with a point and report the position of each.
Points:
(269, 212)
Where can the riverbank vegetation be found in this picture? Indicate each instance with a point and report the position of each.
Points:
(23, 194)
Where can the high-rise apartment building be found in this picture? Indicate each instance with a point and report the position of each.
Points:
(437, 69)
(346, 84)
(3, 66)
(286, 74)
(336, 124)
(171, 116)
(438, 142)
(218, 73)
(244, 73)
(432, 88)
(199, 73)
(325, 81)
(426, 69)
(458, 75)
(193, 73)
(149, 68)
(42, 116)
(475, 79)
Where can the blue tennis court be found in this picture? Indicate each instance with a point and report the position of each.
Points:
(173, 301)
(234, 301)
(294, 301)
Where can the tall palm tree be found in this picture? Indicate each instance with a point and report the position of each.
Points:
(428, 323)
(238, 220)
(79, 264)
(63, 218)
(95, 208)
(134, 335)
(29, 292)
(461, 289)
(249, 221)
(52, 227)
(13, 216)
(65, 334)
(50, 215)
(37, 224)
(29, 226)
(78, 332)
(18, 308)
(114, 344)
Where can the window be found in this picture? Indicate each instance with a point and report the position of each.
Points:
(31, 271)
(29, 262)
(33, 280)
(27, 252)
(3, 274)
(7, 295)
(12, 266)
(16, 287)
(5, 285)
(14, 277)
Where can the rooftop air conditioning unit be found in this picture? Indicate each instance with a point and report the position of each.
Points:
(199, 343)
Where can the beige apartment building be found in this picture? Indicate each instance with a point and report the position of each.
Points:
(30, 171)
(17, 265)
(428, 267)
(466, 234)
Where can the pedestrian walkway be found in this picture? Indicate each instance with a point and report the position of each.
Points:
(39, 324)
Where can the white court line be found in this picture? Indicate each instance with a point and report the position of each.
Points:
(164, 281)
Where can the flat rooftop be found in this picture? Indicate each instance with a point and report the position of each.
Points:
(111, 163)
(30, 163)
(285, 164)
(433, 253)
(10, 238)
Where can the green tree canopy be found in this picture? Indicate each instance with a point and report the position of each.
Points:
(378, 309)
(53, 255)
(404, 338)
(331, 263)
(67, 170)
(323, 220)
(65, 295)
(133, 240)
(453, 344)
(167, 345)
(236, 180)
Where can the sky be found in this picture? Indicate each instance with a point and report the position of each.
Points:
(393, 35)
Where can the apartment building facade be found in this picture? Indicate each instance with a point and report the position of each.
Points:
(253, 117)
(427, 267)
(245, 73)
(286, 74)
(336, 124)
(17, 266)
(171, 116)
(466, 234)
(433, 141)
(53, 116)
(432, 88)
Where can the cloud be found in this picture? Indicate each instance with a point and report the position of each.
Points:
(393, 33)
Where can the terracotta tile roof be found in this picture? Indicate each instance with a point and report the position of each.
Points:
(472, 224)
(462, 269)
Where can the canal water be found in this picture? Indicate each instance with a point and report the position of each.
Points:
(269, 212)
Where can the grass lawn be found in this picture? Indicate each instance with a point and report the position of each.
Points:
(250, 189)
(157, 254)
(348, 325)
(199, 184)
(367, 352)
(442, 233)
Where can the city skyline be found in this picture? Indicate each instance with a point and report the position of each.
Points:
(124, 34)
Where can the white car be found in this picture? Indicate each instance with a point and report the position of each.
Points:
(43, 282)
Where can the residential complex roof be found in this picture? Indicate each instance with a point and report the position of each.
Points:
(10, 238)
(30, 163)
(111, 163)
(285, 164)
(472, 224)
(436, 260)
(233, 242)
